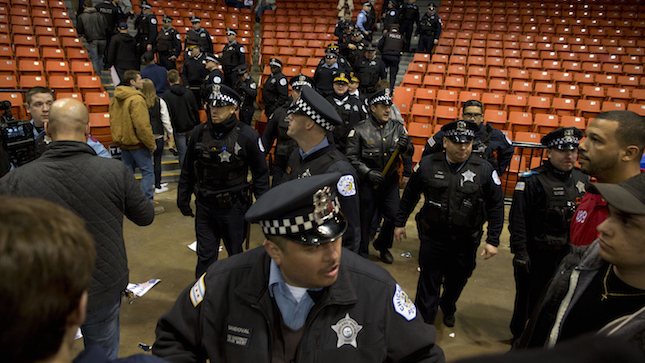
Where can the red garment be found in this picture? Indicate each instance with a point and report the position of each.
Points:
(591, 212)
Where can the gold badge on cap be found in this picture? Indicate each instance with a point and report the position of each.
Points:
(217, 89)
(387, 92)
(301, 78)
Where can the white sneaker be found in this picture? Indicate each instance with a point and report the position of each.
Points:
(161, 190)
(164, 184)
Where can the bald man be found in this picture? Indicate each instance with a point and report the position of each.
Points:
(99, 190)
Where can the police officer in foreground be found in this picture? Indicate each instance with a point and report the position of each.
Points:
(370, 69)
(146, 27)
(311, 120)
(375, 147)
(298, 298)
(275, 92)
(219, 155)
(215, 76)
(277, 126)
(199, 35)
(232, 56)
(544, 202)
(391, 47)
(168, 44)
(349, 108)
(429, 29)
(194, 71)
(248, 91)
(461, 192)
(488, 140)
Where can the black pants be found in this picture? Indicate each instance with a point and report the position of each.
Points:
(447, 258)
(213, 224)
(164, 61)
(406, 31)
(392, 63)
(157, 161)
(385, 199)
(246, 115)
(230, 78)
(426, 44)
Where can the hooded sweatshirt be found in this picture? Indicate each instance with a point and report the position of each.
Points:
(129, 119)
(183, 109)
(122, 53)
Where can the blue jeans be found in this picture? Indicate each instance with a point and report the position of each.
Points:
(96, 50)
(141, 158)
(262, 9)
(101, 327)
(181, 142)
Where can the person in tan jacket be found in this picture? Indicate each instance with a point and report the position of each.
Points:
(131, 130)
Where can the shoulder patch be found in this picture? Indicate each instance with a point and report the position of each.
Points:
(217, 80)
(260, 144)
(520, 186)
(432, 142)
(283, 81)
(242, 50)
(177, 36)
(197, 292)
(153, 21)
(416, 167)
(253, 85)
(346, 185)
(496, 178)
(351, 133)
(403, 305)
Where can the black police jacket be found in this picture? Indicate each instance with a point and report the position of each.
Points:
(351, 111)
(371, 144)
(234, 316)
(146, 26)
(275, 92)
(277, 129)
(370, 71)
(391, 44)
(456, 203)
(248, 91)
(194, 70)
(232, 56)
(203, 38)
(544, 202)
(168, 42)
(429, 25)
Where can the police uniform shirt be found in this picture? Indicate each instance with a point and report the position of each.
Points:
(430, 25)
(248, 90)
(233, 55)
(490, 186)
(275, 92)
(194, 70)
(361, 19)
(146, 28)
(201, 37)
(169, 42)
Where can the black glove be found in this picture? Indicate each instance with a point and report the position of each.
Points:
(521, 261)
(375, 177)
(402, 144)
(187, 211)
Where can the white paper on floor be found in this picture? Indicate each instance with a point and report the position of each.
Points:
(452, 335)
(140, 289)
(193, 247)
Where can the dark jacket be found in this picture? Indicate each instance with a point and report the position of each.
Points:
(236, 305)
(123, 52)
(92, 25)
(159, 77)
(183, 109)
(100, 191)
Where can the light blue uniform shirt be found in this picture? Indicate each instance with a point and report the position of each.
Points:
(294, 314)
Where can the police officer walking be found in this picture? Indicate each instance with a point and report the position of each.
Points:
(349, 108)
(391, 46)
(146, 27)
(311, 120)
(232, 56)
(276, 129)
(488, 140)
(275, 92)
(429, 29)
(194, 71)
(370, 69)
(326, 72)
(168, 44)
(214, 76)
(248, 91)
(461, 192)
(199, 35)
(544, 202)
(354, 48)
(390, 15)
(219, 156)
(409, 18)
(374, 147)
(363, 22)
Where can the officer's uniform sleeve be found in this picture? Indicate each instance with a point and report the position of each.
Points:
(353, 153)
(382, 71)
(257, 162)
(152, 36)
(270, 133)
(210, 42)
(360, 21)
(494, 203)
(283, 92)
(434, 144)
(187, 178)
(184, 73)
(381, 44)
(250, 88)
(409, 151)
(349, 203)
(417, 31)
(411, 194)
(520, 212)
(439, 28)
(504, 153)
(176, 44)
(178, 334)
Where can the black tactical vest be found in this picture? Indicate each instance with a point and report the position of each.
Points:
(218, 164)
(165, 40)
(393, 41)
(315, 166)
(285, 145)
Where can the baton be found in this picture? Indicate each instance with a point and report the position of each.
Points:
(389, 164)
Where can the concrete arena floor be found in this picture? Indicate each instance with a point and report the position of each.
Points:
(160, 251)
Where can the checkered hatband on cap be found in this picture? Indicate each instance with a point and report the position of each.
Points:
(299, 224)
(306, 108)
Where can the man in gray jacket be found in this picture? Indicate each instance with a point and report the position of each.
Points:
(99, 190)
(93, 26)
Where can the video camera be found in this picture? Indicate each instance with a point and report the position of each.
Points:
(17, 137)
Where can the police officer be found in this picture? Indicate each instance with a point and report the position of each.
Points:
(343, 26)
(248, 90)
(390, 15)
(199, 35)
(349, 108)
(168, 44)
(298, 298)
(544, 202)
(276, 129)
(194, 71)
(326, 72)
(370, 69)
(215, 76)
(232, 56)
(311, 120)
(430, 30)
(112, 14)
(363, 22)
(275, 92)
(488, 140)
(409, 18)
(461, 192)
(354, 84)
(354, 49)
(391, 45)
(219, 156)
(146, 27)
(370, 147)
(343, 64)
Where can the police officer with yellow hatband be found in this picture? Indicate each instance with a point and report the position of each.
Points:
(544, 201)
(232, 56)
(214, 76)
(219, 155)
(300, 297)
(275, 92)
(461, 192)
(349, 108)
(276, 129)
(375, 147)
(199, 35)
(248, 90)
(146, 26)
(168, 44)
(429, 29)
(312, 119)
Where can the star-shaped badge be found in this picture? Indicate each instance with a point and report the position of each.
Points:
(225, 156)
(580, 186)
(347, 330)
(469, 175)
(237, 148)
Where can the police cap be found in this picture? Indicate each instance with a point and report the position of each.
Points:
(223, 95)
(381, 96)
(354, 78)
(230, 31)
(333, 47)
(300, 80)
(306, 211)
(370, 48)
(167, 19)
(241, 69)
(275, 62)
(317, 108)
(195, 19)
(145, 6)
(210, 58)
(565, 138)
(367, 3)
(341, 78)
(460, 131)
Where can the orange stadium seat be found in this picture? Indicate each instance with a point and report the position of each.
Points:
(446, 114)
(425, 96)
(588, 108)
(520, 121)
(546, 123)
(422, 113)
(516, 103)
(62, 83)
(497, 118)
(573, 121)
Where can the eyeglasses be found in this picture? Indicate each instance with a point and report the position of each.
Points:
(472, 115)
